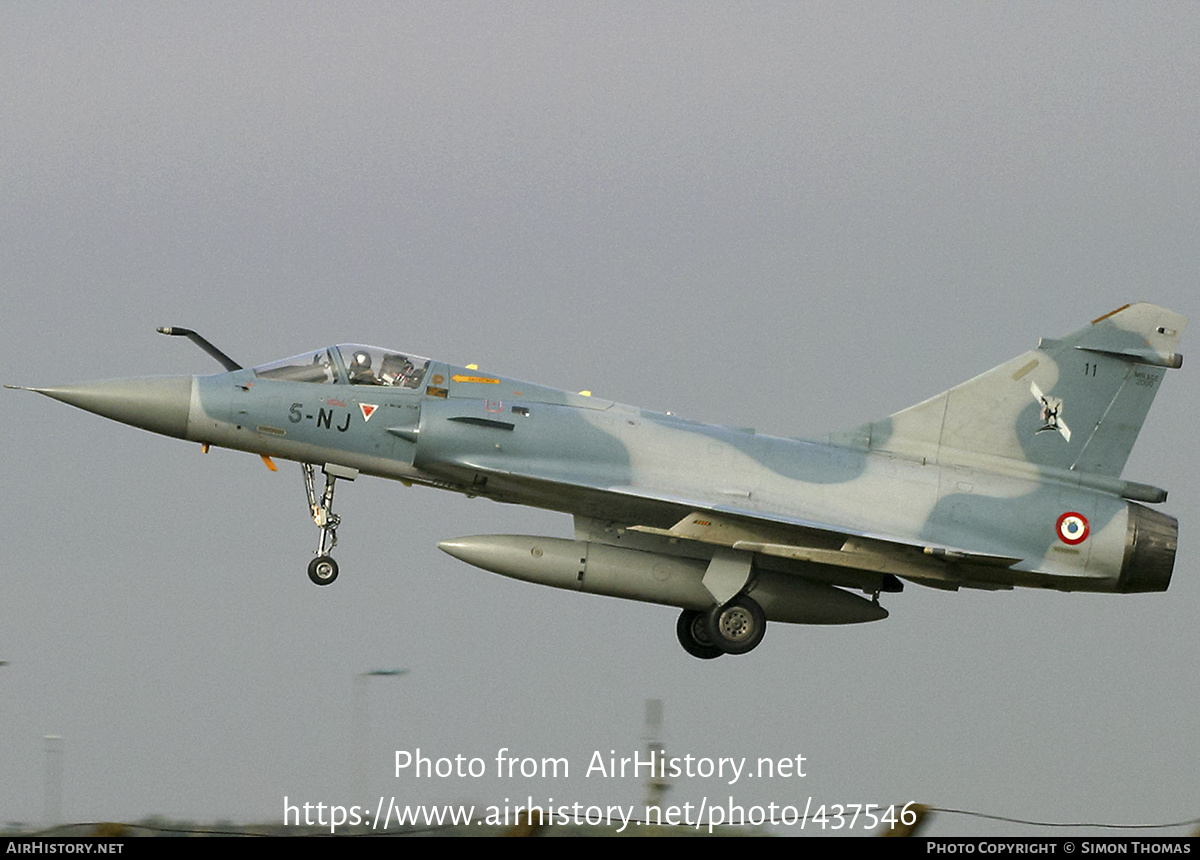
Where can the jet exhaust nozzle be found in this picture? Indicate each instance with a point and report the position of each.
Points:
(1150, 542)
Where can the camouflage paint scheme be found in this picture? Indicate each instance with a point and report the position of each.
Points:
(1010, 479)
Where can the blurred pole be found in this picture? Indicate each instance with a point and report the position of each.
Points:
(656, 783)
(52, 812)
(362, 730)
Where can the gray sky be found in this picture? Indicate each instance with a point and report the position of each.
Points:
(797, 217)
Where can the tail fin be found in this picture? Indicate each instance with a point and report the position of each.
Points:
(1075, 403)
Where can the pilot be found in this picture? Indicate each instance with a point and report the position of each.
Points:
(395, 370)
(360, 369)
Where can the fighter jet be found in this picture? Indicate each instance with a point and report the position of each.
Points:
(983, 486)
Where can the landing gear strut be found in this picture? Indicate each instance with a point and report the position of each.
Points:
(323, 570)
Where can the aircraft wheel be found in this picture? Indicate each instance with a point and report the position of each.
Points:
(322, 570)
(692, 630)
(737, 626)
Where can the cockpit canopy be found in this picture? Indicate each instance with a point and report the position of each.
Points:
(351, 363)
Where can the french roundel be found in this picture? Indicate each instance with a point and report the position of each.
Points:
(1073, 528)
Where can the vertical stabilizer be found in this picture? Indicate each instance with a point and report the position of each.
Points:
(1077, 403)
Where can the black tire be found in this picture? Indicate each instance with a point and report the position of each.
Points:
(738, 626)
(322, 570)
(692, 630)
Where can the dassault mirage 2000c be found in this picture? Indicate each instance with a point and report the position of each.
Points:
(1010, 479)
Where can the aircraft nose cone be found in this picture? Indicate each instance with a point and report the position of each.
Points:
(156, 403)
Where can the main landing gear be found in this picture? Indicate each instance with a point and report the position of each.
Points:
(735, 627)
(323, 570)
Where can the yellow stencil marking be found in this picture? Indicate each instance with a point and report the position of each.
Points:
(458, 377)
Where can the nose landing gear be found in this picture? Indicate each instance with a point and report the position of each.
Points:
(323, 570)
